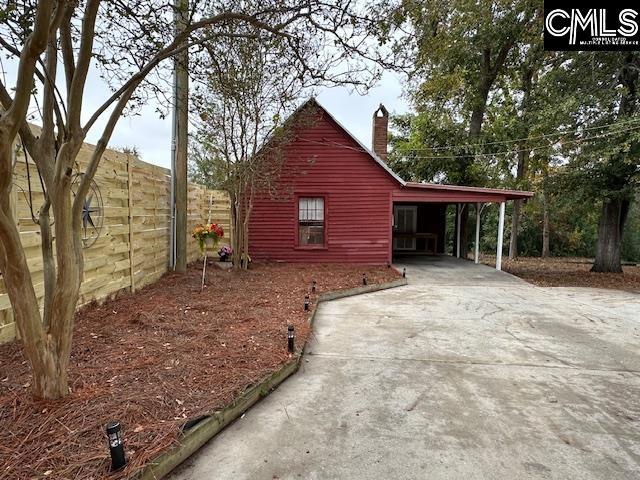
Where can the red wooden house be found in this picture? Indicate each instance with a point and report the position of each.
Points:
(344, 204)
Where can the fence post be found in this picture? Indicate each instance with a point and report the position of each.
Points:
(130, 205)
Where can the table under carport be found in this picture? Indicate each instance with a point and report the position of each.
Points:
(419, 216)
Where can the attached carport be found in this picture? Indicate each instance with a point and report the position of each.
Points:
(411, 195)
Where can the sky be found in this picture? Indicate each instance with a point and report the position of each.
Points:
(151, 135)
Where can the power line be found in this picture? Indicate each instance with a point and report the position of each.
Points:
(488, 154)
(537, 137)
(528, 149)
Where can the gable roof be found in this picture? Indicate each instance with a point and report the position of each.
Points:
(509, 194)
(366, 150)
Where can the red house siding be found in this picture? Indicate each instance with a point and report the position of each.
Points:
(324, 161)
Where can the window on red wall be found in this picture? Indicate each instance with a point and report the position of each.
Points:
(311, 221)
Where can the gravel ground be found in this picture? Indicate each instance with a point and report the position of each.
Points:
(569, 272)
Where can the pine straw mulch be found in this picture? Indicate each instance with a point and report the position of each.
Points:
(569, 272)
(156, 358)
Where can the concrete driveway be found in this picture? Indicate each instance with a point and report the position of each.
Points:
(466, 373)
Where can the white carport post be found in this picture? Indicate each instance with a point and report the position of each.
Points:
(458, 215)
(500, 237)
(477, 255)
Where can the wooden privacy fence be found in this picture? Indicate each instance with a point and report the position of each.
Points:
(132, 248)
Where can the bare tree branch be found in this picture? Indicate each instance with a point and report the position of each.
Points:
(34, 46)
(76, 89)
(176, 46)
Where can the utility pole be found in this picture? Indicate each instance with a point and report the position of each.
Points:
(179, 163)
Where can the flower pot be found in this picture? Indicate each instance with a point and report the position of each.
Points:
(210, 242)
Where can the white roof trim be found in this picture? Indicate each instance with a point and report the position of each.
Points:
(372, 154)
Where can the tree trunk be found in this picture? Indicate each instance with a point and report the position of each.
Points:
(48, 261)
(515, 226)
(46, 346)
(465, 177)
(37, 345)
(240, 225)
(526, 78)
(612, 219)
(615, 210)
(46, 356)
(475, 128)
(517, 204)
(545, 227)
(464, 240)
(65, 296)
(245, 233)
(236, 234)
(50, 377)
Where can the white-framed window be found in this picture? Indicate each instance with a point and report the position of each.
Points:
(311, 221)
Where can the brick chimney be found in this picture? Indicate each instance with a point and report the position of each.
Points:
(379, 135)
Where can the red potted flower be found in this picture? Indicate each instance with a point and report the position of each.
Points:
(207, 235)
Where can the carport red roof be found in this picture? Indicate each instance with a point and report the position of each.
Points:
(466, 193)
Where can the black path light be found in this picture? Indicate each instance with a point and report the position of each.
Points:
(404, 273)
(313, 286)
(364, 279)
(291, 339)
(306, 303)
(116, 446)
